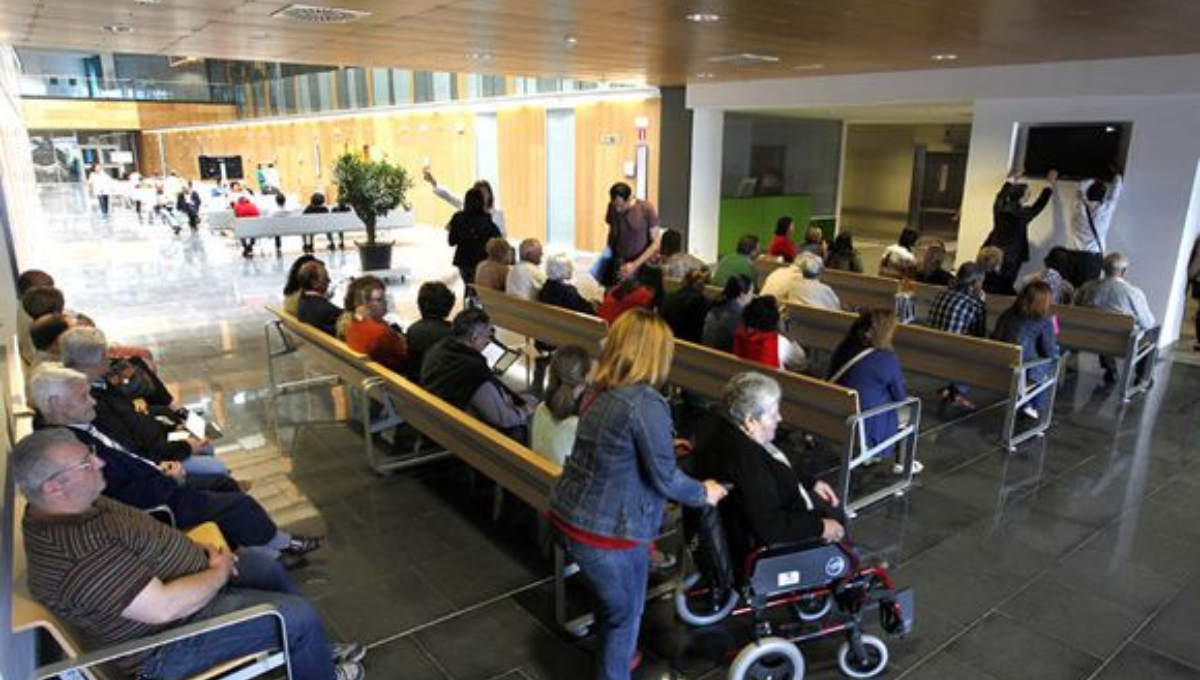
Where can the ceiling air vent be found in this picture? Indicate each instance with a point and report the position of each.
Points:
(314, 14)
(743, 59)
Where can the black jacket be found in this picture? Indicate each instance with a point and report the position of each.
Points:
(117, 418)
(315, 310)
(765, 502)
(470, 235)
(685, 311)
(422, 336)
(454, 372)
(1010, 229)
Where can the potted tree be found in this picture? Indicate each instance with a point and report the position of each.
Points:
(372, 189)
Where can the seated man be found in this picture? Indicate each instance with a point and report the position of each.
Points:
(456, 370)
(526, 278)
(314, 307)
(804, 287)
(117, 575)
(435, 300)
(61, 398)
(1113, 293)
(86, 350)
(960, 309)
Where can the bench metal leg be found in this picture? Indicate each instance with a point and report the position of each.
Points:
(858, 453)
(1143, 349)
(374, 390)
(1022, 395)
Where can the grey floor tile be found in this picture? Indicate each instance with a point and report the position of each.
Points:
(499, 638)
(1172, 632)
(373, 611)
(1136, 661)
(1008, 650)
(402, 659)
(944, 667)
(1081, 619)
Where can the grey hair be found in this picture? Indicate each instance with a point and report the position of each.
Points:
(749, 395)
(1115, 264)
(527, 247)
(559, 267)
(810, 265)
(83, 347)
(51, 379)
(30, 465)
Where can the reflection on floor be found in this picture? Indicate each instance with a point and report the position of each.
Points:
(1076, 557)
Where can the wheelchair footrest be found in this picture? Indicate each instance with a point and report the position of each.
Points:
(896, 613)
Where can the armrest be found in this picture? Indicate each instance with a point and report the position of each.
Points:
(124, 649)
(884, 408)
(1038, 363)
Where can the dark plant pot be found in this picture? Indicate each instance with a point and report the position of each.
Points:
(375, 256)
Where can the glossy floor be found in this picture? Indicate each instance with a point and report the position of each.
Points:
(1076, 557)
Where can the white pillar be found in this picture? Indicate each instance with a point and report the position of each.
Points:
(704, 207)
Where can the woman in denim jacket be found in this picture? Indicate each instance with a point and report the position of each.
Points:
(608, 503)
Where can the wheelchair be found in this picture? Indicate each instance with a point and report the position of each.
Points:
(824, 589)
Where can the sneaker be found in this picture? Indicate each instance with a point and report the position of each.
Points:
(870, 462)
(302, 545)
(918, 467)
(350, 670)
(1030, 412)
(348, 652)
(964, 403)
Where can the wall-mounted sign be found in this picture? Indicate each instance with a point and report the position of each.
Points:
(609, 139)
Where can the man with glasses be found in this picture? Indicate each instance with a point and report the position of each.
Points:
(118, 575)
(61, 397)
(368, 333)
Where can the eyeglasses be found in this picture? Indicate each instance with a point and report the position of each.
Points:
(88, 463)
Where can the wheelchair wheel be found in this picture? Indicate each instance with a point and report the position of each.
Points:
(814, 608)
(702, 606)
(876, 658)
(768, 659)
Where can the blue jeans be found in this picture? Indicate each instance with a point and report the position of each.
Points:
(204, 465)
(618, 579)
(260, 580)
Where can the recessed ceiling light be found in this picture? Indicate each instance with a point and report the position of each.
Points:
(570, 40)
(704, 75)
(479, 56)
(147, 2)
(808, 67)
(944, 57)
(703, 17)
(316, 14)
(743, 59)
(119, 28)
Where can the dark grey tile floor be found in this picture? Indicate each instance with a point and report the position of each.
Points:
(1076, 557)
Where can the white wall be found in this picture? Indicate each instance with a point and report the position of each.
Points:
(1160, 96)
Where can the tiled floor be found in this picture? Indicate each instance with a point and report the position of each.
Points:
(1076, 557)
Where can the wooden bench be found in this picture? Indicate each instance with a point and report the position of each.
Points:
(975, 361)
(855, 291)
(286, 335)
(1081, 329)
(819, 407)
(318, 223)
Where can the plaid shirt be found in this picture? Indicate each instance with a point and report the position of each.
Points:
(956, 311)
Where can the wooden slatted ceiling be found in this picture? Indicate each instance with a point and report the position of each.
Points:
(624, 39)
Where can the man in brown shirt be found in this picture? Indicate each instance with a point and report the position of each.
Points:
(117, 575)
(633, 231)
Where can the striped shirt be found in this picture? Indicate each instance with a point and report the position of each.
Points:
(88, 568)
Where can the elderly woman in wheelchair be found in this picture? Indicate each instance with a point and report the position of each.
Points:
(778, 541)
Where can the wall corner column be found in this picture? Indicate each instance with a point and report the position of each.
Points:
(704, 202)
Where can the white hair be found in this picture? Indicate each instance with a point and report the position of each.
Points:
(50, 380)
(750, 395)
(810, 265)
(83, 347)
(560, 267)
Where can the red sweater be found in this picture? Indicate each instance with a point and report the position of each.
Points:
(378, 341)
(613, 306)
(783, 247)
(757, 346)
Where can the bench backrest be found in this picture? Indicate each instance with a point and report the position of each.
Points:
(292, 224)
(976, 361)
(510, 464)
(549, 324)
(815, 405)
(859, 291)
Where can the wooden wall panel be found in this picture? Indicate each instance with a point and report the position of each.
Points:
(605, 139)
(522, 151)
(446, 140)
(71, 114)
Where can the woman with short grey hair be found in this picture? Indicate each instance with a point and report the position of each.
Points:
(774, 501)
(558, 290)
